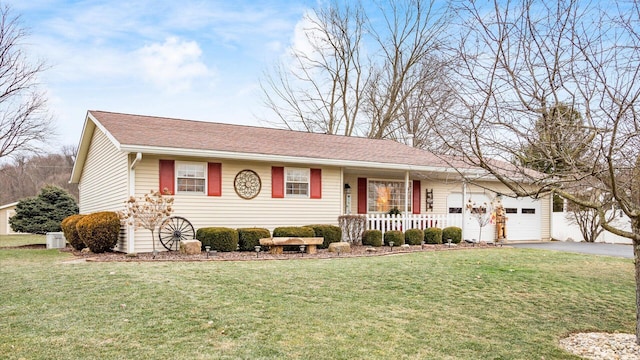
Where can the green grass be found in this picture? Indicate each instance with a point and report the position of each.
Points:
(21, 240)
(478, 304)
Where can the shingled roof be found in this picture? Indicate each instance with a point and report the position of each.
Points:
(137, 133)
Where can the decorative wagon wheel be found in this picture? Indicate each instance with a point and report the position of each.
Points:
(173, 230)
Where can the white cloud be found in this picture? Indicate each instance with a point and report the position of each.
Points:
(173, 65)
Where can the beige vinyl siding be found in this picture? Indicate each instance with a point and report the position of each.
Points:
(546, 213)
(5, 214)
(229, 210)
(103, 184)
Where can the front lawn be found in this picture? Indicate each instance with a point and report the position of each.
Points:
(22, 240)
(468, 304)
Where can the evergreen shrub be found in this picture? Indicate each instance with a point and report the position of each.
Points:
(394, 235)
(99, 231)
(433, 235)
(330, 233)
(249, 238)
(414, 236)
(372, 238)
(68, 226)
(218, 238)
(452, 232)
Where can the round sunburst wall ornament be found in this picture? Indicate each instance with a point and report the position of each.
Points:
(247, 184)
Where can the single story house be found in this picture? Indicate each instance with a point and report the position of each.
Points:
(245, 176)
(6, 212)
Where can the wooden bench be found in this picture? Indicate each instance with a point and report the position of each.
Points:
(276, 244)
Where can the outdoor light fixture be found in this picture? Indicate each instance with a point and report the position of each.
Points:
(422, 244)
(449, 242)
(347, 188)
(302, 249)
(207, 249)
(257, 248)
(391, 245)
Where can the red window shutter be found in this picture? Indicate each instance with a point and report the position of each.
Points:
(415, 205)
(316, 184)
(167, 176)
(277, 182)
(362, 195)
(214, 175)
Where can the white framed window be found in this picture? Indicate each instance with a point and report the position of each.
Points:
(384, 195)
(191, 177)
(296, 182)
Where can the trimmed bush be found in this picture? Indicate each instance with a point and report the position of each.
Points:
(330, 233)
(372, 238)
(68, 226)
(414, 236)
(249, 238)
(294, 231)
(433, 235)
(394, 235)
(452, 232)
(218, 238)
(99, 231)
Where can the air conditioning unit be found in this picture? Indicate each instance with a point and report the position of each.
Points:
(56, 240)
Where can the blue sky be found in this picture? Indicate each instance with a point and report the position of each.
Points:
(193, 59)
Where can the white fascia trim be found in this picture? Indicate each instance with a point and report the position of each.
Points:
(8, 205)
(287, 159)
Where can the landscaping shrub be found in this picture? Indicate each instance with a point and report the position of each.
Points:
(218, 238)
(433, 235)
(99, 231)
(414, 236)
(249, 238)
(330, 233)
(394, 235)
(68, 226)
(294, 231)
(452, 232)
(43, 213)
(372, 238)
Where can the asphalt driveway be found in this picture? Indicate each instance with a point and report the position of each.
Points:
(618, 250)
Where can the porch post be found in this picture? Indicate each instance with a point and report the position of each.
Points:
(131, 231)
(406, 201)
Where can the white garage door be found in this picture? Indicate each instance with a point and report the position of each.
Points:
(523, 217)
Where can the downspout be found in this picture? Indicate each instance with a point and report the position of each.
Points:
(131, 230)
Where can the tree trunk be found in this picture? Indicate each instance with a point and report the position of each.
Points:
(636, 255)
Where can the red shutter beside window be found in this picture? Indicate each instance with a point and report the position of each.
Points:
(362, 195)
(415, 205)
(277, 182)
(316, 184)
(167, 176)
(214, 175)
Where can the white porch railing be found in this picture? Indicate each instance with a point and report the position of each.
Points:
(386, 222)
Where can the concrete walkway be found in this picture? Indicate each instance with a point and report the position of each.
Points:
(618, 250)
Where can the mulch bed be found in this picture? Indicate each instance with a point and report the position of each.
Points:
(356, 251)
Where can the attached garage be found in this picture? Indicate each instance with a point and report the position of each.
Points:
(524, 217)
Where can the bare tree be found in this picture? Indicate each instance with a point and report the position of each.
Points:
(24, 122)
(521, 60)
(409, 68)
(319, 87)
(377, 71)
